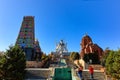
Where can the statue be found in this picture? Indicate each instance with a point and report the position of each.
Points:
(61, 47)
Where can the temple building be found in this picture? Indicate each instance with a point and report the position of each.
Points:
(87, 47)
(26, 39)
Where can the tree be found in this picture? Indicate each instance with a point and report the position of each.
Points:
(109, 63)
(113, 64)
(104, 57)
(1, 54)
(12, 64)
(43, 56)
(46, 59)
(116, 65)
(71, 56)
(74, 56)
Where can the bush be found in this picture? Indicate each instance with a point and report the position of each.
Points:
(113, 64)
(104, 57)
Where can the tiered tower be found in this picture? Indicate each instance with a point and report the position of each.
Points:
(26, 37)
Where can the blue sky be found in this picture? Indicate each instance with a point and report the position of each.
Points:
(62, 19)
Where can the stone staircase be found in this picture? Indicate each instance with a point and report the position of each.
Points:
(37, 74)
(97, 75)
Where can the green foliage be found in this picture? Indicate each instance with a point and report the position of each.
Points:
(12, 64)
(113, 64)
(109, 63)
(74, 56)
(1, 54)
(71, 55)
(104, 57)
(44, 57)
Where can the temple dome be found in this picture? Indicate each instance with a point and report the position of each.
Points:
(86, 40)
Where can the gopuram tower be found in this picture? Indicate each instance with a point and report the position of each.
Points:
(26, 38)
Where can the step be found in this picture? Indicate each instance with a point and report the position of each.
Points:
(37, 74)
(97, 75)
